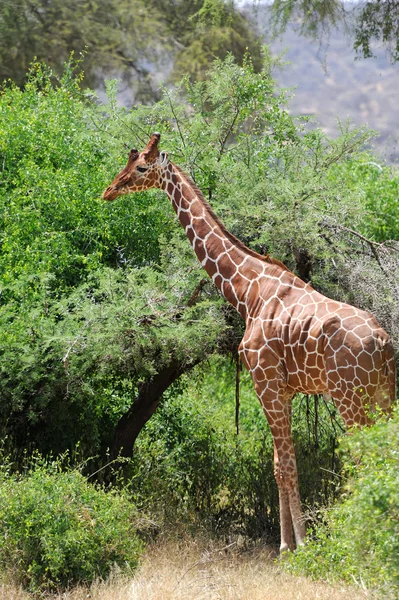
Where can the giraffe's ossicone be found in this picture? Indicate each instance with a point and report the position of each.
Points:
(296, 339)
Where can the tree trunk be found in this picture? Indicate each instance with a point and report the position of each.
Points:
(303, 263)
(149, 397)
(143, 407)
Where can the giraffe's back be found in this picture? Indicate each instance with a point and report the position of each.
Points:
(327, 346)
(359, 359)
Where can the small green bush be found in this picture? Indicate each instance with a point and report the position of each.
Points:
(56, 529)
(359, 541)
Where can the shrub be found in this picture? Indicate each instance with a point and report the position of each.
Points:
(190, 464)
(359, 540)
(57, 529)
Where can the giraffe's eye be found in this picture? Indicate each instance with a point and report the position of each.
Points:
(141, 169)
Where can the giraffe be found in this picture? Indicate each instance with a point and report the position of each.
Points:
(296, 339)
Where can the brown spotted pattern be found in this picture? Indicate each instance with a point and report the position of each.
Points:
(296, 339)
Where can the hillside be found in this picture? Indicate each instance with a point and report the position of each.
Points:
(329, 81)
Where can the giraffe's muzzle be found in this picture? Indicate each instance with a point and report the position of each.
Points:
(110, 193)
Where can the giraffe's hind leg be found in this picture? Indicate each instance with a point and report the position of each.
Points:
(386, 392)
(349, 386)
(360, 377)
(350, 404)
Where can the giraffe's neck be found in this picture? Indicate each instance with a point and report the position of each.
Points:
(232, 266)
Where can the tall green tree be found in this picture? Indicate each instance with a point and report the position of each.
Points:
(115, 34)
(131, 39)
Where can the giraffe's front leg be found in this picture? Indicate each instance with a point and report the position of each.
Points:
(268, 374)
(286, 536)
(277, 407)
(285, 472)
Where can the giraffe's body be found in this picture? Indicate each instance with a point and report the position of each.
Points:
(296, 339)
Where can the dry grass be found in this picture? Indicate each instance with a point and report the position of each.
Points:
(200, 571)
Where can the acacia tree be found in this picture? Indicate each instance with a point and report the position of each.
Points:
(104, 306)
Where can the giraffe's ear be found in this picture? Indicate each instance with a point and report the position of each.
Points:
(151, 150)
(163, 159)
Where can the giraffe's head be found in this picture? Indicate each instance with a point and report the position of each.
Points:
(142, 172)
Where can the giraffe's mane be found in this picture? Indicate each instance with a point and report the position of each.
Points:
(268, 259)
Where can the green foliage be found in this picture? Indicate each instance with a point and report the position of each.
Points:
(133, 39)
(54, 168)
(380, 191)
(77, 368)
(378, 21)
(57, 529)
(97, 298)
(190, 466)
(359, 540)
(56, 235)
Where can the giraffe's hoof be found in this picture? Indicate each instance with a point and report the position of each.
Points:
(285, 548)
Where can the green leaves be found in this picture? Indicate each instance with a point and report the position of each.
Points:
(139, 319)
(97, 297)
(360, 539)
(132, 38)
(380, 191)
(54, 170)
(57, 529)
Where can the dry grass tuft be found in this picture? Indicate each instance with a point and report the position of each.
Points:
(10, 592)
(195, 571)
(192, 570)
